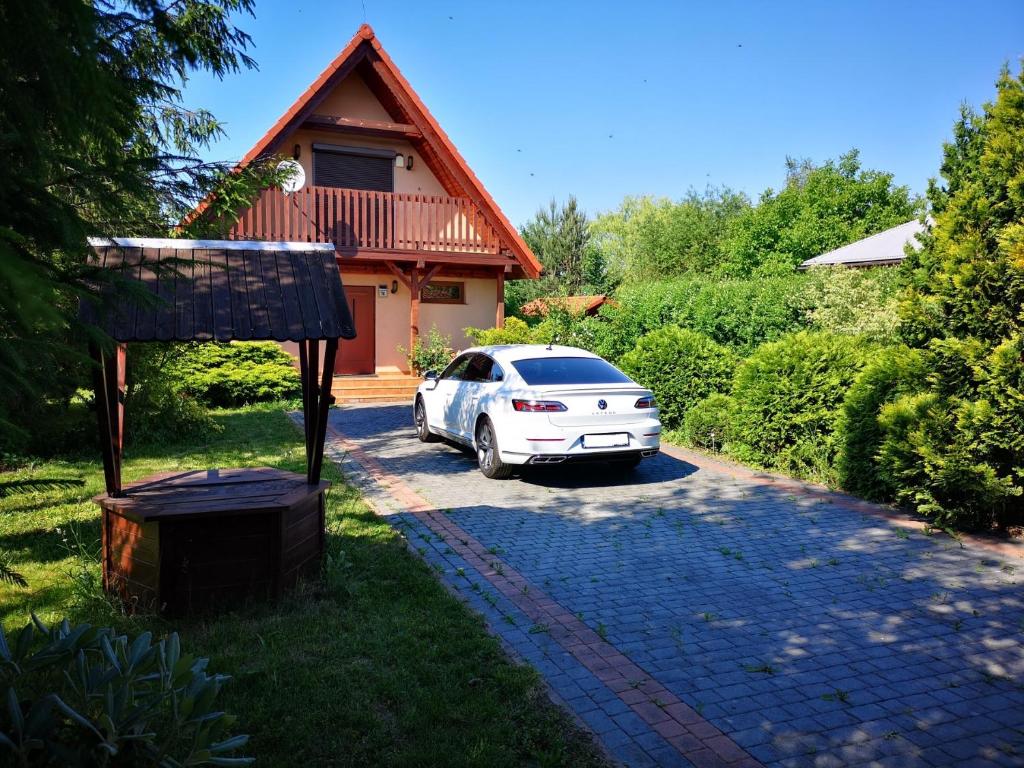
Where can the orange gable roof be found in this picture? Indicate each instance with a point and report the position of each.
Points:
(365, 54)
(576, 305)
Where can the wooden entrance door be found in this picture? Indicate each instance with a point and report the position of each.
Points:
(358, 355)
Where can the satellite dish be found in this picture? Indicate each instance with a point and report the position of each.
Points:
(296, 176)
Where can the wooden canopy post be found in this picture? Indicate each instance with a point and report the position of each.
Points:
(414, 308)
(415, 280)
(499, 312)
(323, 406)
(108, 382)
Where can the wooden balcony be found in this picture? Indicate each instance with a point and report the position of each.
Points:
(358, 220)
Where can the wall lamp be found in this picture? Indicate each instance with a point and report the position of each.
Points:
(394, 286)
(403, 161)
(296, 152)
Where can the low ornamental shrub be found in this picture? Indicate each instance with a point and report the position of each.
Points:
(87, 696)
(709, 423)
(681, 367)
(788, 395)
(157, 408)
(432, 355)
(516, 331)
(893, 372)
(228, 375)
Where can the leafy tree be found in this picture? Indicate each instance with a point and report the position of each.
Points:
(955, 451)
(651, 238)
(96, 140)
(820, 208)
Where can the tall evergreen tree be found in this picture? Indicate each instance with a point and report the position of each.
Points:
(957, 449)
(96, 140)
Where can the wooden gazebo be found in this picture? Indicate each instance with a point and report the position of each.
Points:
(183, 541)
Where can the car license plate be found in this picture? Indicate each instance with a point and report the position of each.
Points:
(605, 441)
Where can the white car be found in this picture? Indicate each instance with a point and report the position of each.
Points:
(531, 404)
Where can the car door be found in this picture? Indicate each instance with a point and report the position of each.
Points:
(460, 411)
(440, 399)
(465, 404)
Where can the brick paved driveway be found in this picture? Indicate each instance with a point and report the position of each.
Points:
(692, 615)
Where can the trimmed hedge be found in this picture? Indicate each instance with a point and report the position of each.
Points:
(709, 423)
(681, 367)
(740, 314)
(893, 372)
(228, 375)
(788, 395)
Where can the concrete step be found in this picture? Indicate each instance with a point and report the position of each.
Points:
(378, 388)
(355, 399)
(399, 391)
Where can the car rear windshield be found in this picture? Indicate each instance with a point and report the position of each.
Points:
(543, 371)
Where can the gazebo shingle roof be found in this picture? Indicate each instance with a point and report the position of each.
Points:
(213, 290)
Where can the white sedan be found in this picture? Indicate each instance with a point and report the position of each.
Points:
(531, 404)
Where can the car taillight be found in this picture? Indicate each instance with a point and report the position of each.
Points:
(645, 402)
(537, 406)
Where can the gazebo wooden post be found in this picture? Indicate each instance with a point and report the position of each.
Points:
(306, 395)
(108, 380)
(322, 412)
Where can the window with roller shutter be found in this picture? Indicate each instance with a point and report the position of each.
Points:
(354, 168)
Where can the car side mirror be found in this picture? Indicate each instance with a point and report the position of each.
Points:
(431, 376)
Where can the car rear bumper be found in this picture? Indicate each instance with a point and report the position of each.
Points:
(557, 446)
(584, 458)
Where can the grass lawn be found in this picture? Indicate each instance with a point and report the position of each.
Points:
(375, 664)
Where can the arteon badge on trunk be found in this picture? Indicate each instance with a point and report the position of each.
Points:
(602, 404)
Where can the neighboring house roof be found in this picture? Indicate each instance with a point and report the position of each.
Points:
(222, 290)
(882, 249)
(577, 305)
(365, 53)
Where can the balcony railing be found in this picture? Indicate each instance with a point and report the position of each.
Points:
(355, 219)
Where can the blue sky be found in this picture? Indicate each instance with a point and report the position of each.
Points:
(603, 100)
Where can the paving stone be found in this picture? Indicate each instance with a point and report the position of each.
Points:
(648, 561)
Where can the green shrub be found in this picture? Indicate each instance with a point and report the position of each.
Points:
(156, 407)
(856, 302)
(929, 454)
(433, 355)
(227, 375)
(516, 331)
(788, 395)
(681, 367)
(960, 460)
(88, 696)
(709, 423)
(893, 372)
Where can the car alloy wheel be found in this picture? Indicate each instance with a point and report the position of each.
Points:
(487, 454)
(423, 432)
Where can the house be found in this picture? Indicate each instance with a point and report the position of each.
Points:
(418, 240)
(879, 250)
(576, 305)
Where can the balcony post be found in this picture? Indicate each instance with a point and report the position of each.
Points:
(414, 307)
(499, 314)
